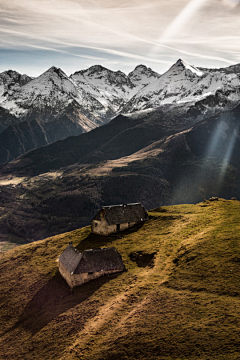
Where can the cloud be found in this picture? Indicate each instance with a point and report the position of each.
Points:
(181, 19)
(39, 47)
(153, 31)
(196, 55)
(231, 3)
(115, 51)
(69, 44)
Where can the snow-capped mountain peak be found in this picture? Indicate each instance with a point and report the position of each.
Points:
(139, 69)
(101, 93)
(52, 89)
(113, 88)
(182, 65)
(142, 75)
(109, 88)
(98, 74)
(11, 79)
(95, 70)
(185, 83)
(65, 105)
(54, 72)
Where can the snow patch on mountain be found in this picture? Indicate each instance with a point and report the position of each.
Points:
(98, 94)
(113, 88)
(11, 80)
(184, 83)
(142, 76)
(184, 65)
(13, 108)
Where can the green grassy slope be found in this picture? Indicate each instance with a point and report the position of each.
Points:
(183, 304)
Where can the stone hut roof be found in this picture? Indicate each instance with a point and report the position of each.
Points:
(70, 258)
(120, 214)
(105, 259)
(94, 260)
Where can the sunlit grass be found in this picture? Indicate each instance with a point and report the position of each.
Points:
(184, 307)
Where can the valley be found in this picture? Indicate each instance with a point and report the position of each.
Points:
(181, 148)
(60, 187)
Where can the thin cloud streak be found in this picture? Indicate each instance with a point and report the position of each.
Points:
(122, 53)
(125, 31)
(196, 54)
(39, 47)
(68, 44)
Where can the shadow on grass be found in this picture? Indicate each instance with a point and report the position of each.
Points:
(55, 298)
(96, 241)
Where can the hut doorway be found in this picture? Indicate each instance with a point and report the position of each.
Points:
(118, 227)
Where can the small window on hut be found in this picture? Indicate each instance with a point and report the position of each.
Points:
(96, 224)
(90, 272)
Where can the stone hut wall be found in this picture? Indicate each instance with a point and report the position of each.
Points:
(79, 279)
(101, 227)
(65, 274)
(126, 225)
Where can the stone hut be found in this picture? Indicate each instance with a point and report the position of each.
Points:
(115, 218)
(77, 268)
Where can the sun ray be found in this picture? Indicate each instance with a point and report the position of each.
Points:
(181, 19)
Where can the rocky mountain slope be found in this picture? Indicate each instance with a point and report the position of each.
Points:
(184, 83)
(133, 158)
(30, 134)
(55, 106)
(12, 80)
(179, 298)
(99, 92)
(124, 136)
(113, 88)
(170, 154)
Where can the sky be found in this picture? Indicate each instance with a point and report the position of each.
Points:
(118, 34)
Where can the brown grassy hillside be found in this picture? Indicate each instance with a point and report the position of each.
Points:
(182, 304)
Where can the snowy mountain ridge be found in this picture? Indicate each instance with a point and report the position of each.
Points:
(100, 93)
(12, 80)
(113, 88)
(53, 106)
(38, 111)
(186, 83)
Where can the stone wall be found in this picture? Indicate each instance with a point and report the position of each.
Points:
(126, 225)
(79, 279)
(65, 274)
(101, 227)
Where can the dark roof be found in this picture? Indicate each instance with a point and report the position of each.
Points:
(70, 258)
(105, 259)
(120, 214)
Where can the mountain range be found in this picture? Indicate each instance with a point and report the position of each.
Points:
(165, 153)
(39, 111)
(61, 186)
(53, 106)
